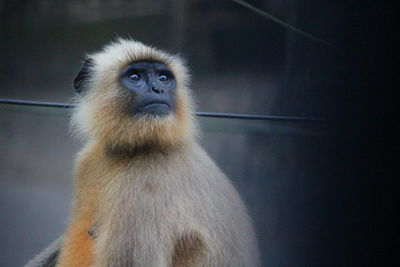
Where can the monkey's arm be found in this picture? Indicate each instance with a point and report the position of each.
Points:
(77, 249)
(77, 245)
(48, 257)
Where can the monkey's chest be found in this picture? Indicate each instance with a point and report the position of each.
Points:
(140, 218)
(146, 200)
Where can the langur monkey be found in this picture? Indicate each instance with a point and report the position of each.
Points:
(146, 194)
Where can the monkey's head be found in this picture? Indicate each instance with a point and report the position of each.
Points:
(131, 95)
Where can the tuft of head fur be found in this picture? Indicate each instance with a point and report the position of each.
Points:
(100, 113)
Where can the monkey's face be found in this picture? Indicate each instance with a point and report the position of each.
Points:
(130, 94)
(152, 86)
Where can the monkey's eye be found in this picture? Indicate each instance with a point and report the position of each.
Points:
(163, 77)
(134, 77)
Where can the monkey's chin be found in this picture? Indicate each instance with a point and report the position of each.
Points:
(155, 109)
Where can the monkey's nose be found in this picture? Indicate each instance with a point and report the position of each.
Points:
(157, 90)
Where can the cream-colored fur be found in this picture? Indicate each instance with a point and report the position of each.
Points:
(150, 193)
(99, 114)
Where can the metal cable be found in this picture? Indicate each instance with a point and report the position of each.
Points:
(200, 114)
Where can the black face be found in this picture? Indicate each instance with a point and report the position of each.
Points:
(153, 87)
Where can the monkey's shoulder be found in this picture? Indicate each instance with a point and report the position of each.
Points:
(188, 168)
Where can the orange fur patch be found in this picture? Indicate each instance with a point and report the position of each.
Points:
(78, 246)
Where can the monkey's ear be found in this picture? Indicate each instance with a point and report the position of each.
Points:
(81, 77)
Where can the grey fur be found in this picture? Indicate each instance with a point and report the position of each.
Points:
(153, 196)
(48, 256)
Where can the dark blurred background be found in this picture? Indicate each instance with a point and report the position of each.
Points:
(318, 192)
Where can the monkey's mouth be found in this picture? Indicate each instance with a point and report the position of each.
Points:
(154, 104)
(156, 107)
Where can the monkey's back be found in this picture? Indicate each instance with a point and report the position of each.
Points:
(224, 215)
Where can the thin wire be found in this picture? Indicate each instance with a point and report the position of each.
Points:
(200, 114)
(281, 22)
(35, 103)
